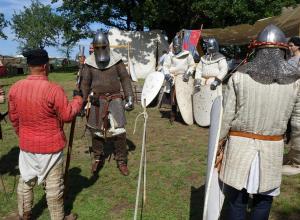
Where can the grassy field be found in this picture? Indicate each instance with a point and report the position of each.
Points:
(176, 163)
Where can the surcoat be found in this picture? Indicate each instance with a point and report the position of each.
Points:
(105, 81)
(211, 67)
(253, 107)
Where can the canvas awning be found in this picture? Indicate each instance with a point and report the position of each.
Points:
(141, 48)
(288, 21)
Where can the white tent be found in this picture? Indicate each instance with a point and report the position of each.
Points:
(142, 48)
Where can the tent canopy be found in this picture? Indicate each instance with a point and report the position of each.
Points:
(288, 21)
(142, 48)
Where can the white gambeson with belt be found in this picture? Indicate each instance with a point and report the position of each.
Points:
(245, 102)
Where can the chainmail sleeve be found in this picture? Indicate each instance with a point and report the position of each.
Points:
(125, 79)
(295, 126)
(229, 106)
(86, 81)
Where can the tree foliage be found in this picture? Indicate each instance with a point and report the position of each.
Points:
(168, 15)
(67, 46)
(124, 14)
(37, 26)
(221, 13)
(3, 24)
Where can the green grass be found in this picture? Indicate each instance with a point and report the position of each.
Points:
(176, 163)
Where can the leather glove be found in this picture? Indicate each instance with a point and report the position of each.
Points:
(169, 78)
(129, 103)
(197, 85)
(186, 76)
(214, 84)
(77, 93)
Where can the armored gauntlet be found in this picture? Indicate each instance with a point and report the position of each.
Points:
(186, 76)
(129, 103)
(214, 84)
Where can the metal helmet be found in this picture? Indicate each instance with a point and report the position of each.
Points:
(177, 45)
(271, 36)
(212, 45)
(101, 47)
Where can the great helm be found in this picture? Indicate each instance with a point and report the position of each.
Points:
(177, 45)
(212, 45)
(101, 47)
(270, 36)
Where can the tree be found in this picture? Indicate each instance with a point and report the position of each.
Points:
(222, 13)
(124, 14)
(66, 47)
(37, 26)
(168, 15)
(3, 24)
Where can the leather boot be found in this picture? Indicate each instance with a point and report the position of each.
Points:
(97, 165)
(122, 165)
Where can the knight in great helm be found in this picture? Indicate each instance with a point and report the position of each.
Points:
(212, 66)
(210, 72)
(259, 100)
(103, 75)
(177, 63)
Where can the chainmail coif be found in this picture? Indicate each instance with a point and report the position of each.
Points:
(269, 66)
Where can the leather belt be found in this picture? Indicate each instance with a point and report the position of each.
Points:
(105, 112)
(256, 136)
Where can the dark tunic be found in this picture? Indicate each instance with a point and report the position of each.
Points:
(102, 82)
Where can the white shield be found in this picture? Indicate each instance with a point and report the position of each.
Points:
(152, 86)
(202, 103)
(184, 91)
(214, 197)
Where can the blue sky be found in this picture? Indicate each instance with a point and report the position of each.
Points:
(9, 46)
